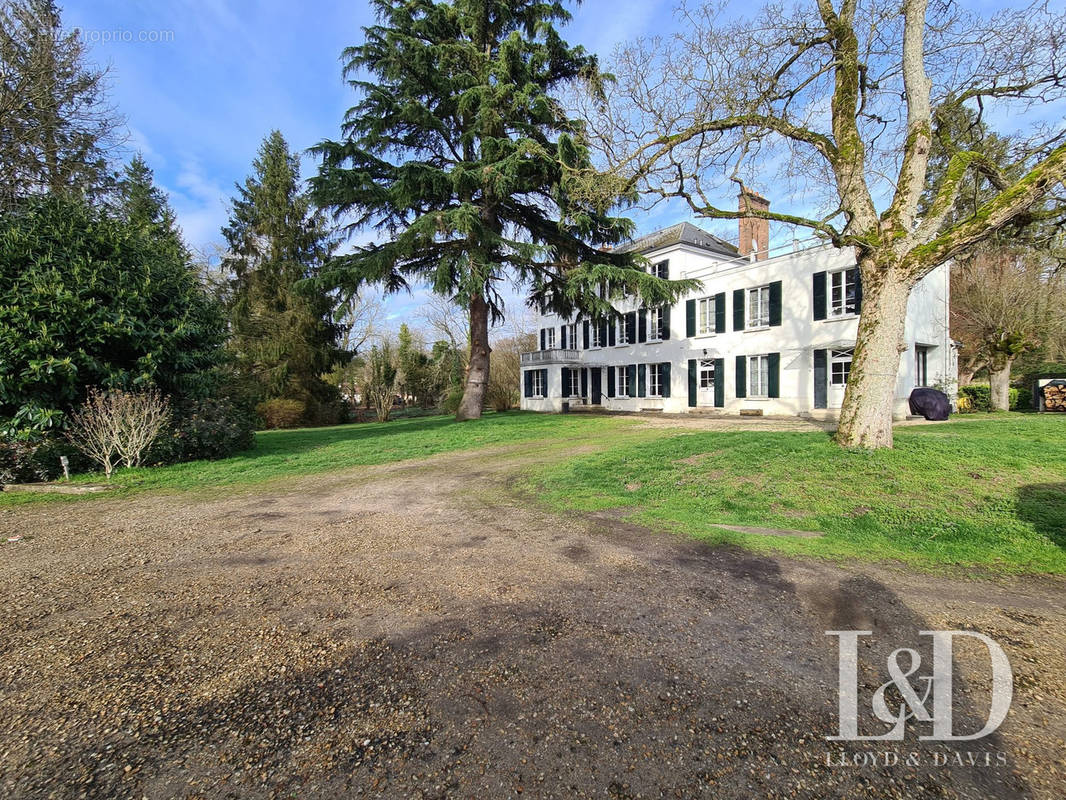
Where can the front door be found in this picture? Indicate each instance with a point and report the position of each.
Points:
(705, 395)
(597, 378)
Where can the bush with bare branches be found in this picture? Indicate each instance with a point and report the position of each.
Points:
(116, 427)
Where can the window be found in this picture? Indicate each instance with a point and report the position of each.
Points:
(594, 334)
(571, 335)
(758, 376)
(840, 366)
(759, 307)
(655, 380)
(661, 270)
(921, 366)
(623, 381)
(538, 388)
(705, 316)
(549, 338)
(575, 383)
(623, 330)
(707, 373)
(655, 324)
(843, 292)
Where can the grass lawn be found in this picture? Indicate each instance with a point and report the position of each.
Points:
(307, 451)
(987, 492)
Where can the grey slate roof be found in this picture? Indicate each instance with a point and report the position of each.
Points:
(682, 233)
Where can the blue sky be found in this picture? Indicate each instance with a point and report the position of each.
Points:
(202, 82)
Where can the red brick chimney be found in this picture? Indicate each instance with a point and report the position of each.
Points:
(754, 231)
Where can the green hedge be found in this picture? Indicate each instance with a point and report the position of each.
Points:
(980, 397)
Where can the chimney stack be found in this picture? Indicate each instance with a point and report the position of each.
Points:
(754, 231)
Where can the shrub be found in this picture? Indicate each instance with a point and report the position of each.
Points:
(450, 403)
(118, 427)
(89, 300)
(205, 429)
(978, 397)
(379, 379)
(32, 460)
(281, 412)
(1021, 399)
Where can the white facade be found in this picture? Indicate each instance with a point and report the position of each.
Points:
(780, 359)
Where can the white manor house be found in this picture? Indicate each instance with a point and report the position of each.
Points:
(769, 333)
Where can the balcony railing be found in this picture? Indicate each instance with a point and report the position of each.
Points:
(550, 356)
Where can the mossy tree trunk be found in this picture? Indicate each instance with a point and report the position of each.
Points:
(866, 415)
(999, 382)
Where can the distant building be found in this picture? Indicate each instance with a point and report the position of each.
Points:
(770, 332)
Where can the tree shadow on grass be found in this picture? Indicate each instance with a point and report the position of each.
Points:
(1044, 506)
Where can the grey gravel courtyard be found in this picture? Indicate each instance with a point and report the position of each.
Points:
(399, 632)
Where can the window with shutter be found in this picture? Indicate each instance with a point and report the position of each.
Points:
(706, 316)
(843, 292)
(759, 376)
(655, 380)
(759, 307)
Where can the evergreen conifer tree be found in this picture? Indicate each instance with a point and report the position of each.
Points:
(283, 334)
(456, 154)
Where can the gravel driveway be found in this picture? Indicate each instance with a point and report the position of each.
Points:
(421, 630)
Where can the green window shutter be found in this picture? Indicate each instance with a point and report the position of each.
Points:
(562, 337)
(528, 376)
(775, 303)
(821, 379)
(631, 378)
(856, 275)
(820, 296)
(719, 312)
(690, 318)
(642, 325)
(719, 382)
(738, 309)
(585, 333)
(642, 380)
(665, 383)
(692, 382)
(665, 314)
(773, 380)
(543, 334)
(611, 325)
(584, 383)
(566, 382)
(631, 326)
(742, 376)
(544, 381)
(610, 381)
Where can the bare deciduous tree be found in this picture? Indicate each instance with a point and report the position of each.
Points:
(837, 99)
(1005, 303)
(116, 427)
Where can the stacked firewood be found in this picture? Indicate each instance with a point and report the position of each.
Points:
(1055, 397)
